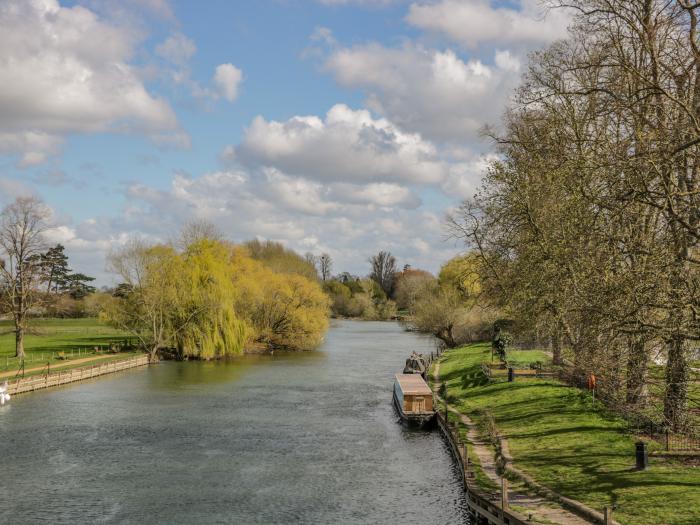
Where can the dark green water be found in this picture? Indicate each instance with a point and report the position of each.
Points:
(292, 438)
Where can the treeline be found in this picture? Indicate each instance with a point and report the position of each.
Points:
(587, 226)
(35, 279)
(207, 298)
(198, 296)
(447, 306)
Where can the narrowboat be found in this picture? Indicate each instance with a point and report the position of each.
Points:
(413, 400)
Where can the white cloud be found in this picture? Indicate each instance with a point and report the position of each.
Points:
(349, 145)
(369, 3)
(177, 49)
(349, 221)
(464, 177)
(66, 71)
(473, 22)
(435, 93)
(10, 189)
(227, 78)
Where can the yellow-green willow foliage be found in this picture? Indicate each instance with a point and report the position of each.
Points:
(286, 310)
(213, 300)
(205, 324)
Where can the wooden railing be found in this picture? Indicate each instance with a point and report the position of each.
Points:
(484, 507)
(29, 384)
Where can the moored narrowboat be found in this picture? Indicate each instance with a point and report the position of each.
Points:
(413, 400)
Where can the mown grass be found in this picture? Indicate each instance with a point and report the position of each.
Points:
(559, 437)
(47, 338)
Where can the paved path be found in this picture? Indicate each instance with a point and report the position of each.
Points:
(542, 510)
(69, 362)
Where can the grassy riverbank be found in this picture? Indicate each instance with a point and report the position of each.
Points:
(76, 339)
(557, 436)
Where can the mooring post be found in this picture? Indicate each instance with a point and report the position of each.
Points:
(504, 493)
(642, 455)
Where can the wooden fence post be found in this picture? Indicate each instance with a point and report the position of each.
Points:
(446, 420)
(504, 493)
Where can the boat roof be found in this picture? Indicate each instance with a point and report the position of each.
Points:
(413, 384)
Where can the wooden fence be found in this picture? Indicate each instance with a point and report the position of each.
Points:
(485, 508)
(37, 382)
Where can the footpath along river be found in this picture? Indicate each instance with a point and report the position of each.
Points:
(290, 438)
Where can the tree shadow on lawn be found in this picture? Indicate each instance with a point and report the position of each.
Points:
(562, 431)
(82, 343)
(583, 476)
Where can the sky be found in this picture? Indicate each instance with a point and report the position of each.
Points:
(338, 126)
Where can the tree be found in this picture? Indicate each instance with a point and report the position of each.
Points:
(411, 285)
(280, 259)
(54, 268)
(311, 259)
(76, 285)
(325, 264)
(339, 295)
(383, 271)
(587, 225)
(211, 299)
(22, 224)
(148, 294)
(462, 274)
(197, 230)
(439, 313)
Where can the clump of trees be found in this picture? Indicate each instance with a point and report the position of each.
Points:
(35, 280)
(369, 298)
(211, 299)
(450, 307)
(587, 226)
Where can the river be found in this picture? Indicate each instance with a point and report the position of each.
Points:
(290, 438)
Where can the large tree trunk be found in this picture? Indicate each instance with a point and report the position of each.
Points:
(637, 362)
(445, 334)
(677, 372)
(555, 343)
(19, 342)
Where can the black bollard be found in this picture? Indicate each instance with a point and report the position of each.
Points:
(642, 455)
(511, 375)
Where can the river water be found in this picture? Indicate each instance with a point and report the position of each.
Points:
(290, 438)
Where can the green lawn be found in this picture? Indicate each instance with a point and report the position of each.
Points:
(562, 440)
(76, 338)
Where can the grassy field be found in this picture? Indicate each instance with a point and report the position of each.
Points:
(49, 338)
(577, 449)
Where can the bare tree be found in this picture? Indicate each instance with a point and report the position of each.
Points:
(22, 224)
(312, 260)
(196, 230)
(325, 264)
(383, 271)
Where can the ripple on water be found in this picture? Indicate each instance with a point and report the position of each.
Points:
(294, 438)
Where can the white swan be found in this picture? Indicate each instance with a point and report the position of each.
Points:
(4, 396)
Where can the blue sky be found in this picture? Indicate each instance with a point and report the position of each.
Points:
(339, 126)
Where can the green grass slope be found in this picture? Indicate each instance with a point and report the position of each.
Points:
(560, 438)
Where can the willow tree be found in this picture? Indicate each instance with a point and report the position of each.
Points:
(284, 310)
(203, 318)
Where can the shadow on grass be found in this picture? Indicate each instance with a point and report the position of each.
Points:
(82, 343)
